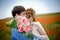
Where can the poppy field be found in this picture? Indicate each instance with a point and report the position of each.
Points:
(50, 23)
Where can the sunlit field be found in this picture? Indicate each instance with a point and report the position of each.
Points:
(50, 23)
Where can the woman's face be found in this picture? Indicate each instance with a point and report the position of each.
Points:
(31, 19)
(24, 14)
(28, 16)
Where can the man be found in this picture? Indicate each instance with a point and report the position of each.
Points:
(15, 34)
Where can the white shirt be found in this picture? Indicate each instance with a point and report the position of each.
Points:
(36, 33)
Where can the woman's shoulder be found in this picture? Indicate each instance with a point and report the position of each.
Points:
(36, 22)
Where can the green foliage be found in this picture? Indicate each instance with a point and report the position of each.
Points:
(30, 35)
(7, 24)
(14, 24)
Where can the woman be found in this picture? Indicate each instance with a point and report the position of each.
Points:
(37, 29)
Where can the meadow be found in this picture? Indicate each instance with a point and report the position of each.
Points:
(50, 23)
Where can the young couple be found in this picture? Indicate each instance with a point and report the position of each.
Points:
(36, 28)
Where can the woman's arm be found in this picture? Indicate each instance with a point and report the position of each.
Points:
(42, 34)
(40, 31)
(42, 37)
(40, 27)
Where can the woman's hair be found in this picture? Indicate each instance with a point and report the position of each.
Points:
(17, 10)
(31, 13)
(32, 10)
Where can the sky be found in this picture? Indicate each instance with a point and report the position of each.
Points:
(40, 6)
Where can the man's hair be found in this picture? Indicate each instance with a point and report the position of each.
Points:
(17, 10)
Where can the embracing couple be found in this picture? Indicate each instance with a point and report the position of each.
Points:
(35, 27)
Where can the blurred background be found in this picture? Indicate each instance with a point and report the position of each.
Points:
(47, 13)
